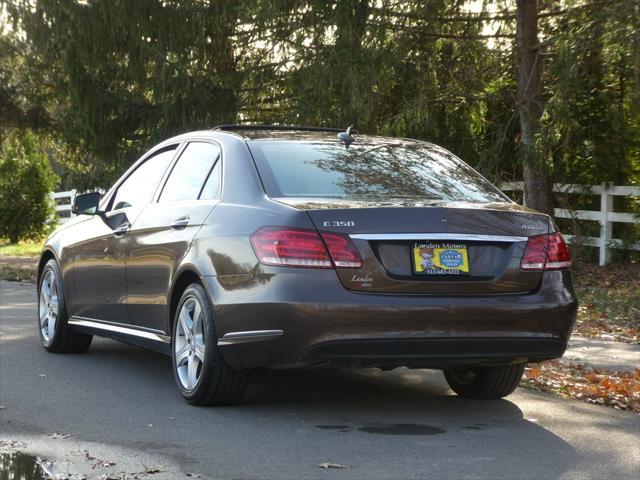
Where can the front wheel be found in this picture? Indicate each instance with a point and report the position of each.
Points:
(202, 375)
(56, 335)
(485, 382)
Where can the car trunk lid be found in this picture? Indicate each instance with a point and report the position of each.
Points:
(394, 237)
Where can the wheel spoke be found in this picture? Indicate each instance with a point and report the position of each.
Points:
(182, 354)
(46, 285)
(54, 303)
(200, 352)
(44, 295)
(191, 373)
(42, 314)
(51, 324)
(197, 319)
(185, 321)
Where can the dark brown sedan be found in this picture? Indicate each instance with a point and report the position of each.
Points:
(244, 247)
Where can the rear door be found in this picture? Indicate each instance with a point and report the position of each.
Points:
(161, 235)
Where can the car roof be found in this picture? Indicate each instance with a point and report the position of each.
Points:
(300, 133)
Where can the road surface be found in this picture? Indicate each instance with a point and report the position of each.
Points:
(117, 404)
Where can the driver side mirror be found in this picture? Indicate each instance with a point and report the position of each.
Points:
(86, 204)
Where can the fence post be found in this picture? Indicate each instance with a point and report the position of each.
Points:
(606, 206)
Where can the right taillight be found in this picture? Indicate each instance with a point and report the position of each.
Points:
(546, 252)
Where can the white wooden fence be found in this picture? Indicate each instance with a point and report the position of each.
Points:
(605, 216)
(63, 201)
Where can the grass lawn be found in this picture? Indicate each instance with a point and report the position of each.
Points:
(21, 249)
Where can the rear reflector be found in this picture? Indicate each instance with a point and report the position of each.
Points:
(546, 252)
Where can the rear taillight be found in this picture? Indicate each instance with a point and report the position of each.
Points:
(546, 252)
(292, 247)
(297, 247)
(342, 250)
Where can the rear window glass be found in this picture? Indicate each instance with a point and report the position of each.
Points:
(378, 170)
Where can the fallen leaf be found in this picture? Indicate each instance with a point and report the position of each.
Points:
(333, 465)
(152, 470)
(534, 372)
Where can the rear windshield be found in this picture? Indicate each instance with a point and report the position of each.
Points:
(368, 170)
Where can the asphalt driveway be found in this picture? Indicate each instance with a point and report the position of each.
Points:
(117, 404)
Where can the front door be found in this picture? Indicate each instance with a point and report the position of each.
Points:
(100, 287)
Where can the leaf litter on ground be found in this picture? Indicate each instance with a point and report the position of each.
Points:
(616, 389)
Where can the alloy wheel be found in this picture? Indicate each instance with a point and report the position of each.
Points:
(189, 347)
(48, 309)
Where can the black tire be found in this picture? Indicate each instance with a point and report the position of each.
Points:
(62, 338)
(217, 383)
(485, 382)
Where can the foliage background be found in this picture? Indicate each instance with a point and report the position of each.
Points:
(102, 80)
(25, 182)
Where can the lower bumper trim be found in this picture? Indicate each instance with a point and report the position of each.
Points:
(233, 338)
(434, 352)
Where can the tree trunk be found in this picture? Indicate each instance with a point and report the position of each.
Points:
(537, 179)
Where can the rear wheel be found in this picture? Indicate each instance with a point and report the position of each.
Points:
(484, 382)
(55, 333)
(202, 375)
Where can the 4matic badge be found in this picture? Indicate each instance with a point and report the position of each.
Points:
(339, 223)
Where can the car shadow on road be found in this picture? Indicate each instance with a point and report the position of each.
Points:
(351, 414)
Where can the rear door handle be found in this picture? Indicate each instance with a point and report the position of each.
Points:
(122, 229)
(180, 223)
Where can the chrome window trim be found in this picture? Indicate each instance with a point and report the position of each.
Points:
(438, 236)
(117, 328)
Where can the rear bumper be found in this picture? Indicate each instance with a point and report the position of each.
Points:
(321, 322)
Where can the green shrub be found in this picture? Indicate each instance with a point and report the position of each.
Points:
(26, 179)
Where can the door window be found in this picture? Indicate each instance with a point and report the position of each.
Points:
(195, 166)
(139, 187)
(211, 189)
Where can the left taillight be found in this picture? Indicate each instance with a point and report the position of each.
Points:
(342, 250)
(546, 252)
(298, 247)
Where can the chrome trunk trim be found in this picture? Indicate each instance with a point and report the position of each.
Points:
(233, 338)
(438, 236)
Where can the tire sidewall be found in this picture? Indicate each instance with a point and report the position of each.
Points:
(210, 342)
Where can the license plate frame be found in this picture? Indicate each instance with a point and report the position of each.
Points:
(433, 258)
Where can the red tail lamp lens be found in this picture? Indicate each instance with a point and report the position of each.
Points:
(546, 252)
(342, 250)
(298, 247)
(291, 247)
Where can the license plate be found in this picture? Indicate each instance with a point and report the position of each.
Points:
(440, 258)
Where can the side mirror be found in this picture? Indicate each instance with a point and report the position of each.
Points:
(86, 204)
